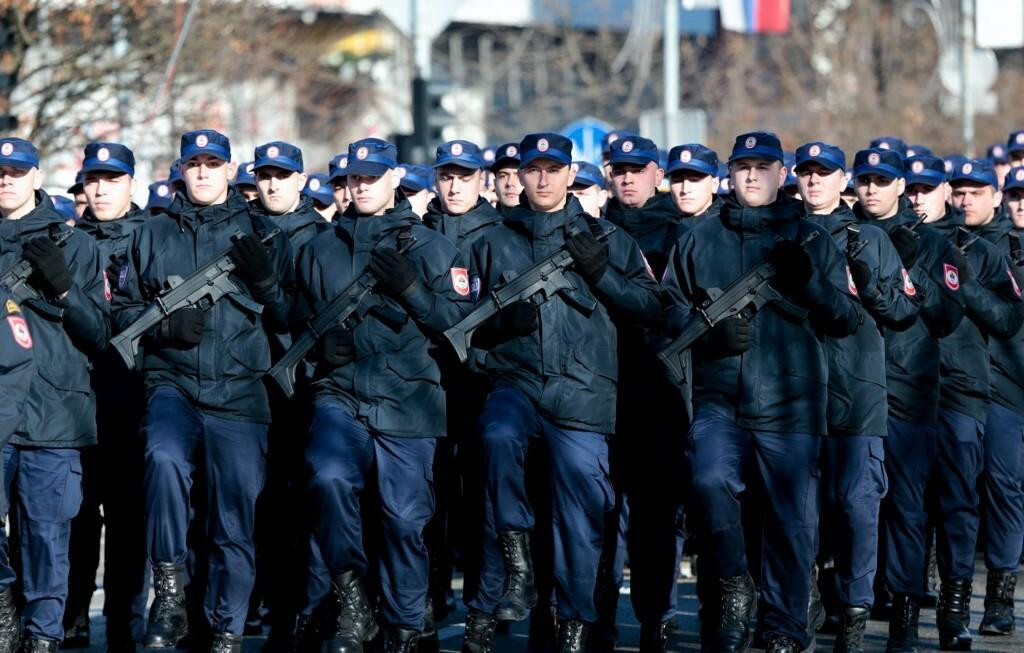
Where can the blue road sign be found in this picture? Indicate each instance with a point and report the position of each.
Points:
(586, 134)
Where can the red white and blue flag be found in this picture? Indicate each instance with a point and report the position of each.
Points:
(755, 16)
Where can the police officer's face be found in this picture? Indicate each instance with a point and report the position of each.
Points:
(459, 188)
(17, 190)
(81, 203)
(1015, 206)
(756, 182)
(693, 191)
(342, 198)
(928, 201)
(591, 198)
(279, 189)
(206, 179)
(977, 201)
(248, 191)
(879, 196)
(546, 184)
(1016, 158)
(507, 186)
(634, 184)
(820, 188)
(109, 194)
(372, 195)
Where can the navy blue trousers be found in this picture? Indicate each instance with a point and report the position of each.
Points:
(854, 480)
(1002, 488)
(580, 489)
(234, 468)
(342, 459)
(959, 463)
(720, 451)
(47, 486)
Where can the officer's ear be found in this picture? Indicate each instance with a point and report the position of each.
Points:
(715, 183)
(395, 180)
(131, 186)
(232, 169)
(997, 196)
(947, 192)
(572, 176)
(783, 171)
(37, 183)
(659, 176)
(303, 177)
(901, 184)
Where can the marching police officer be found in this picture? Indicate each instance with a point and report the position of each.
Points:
(1002, 496)
(1015, 148)
(507, 186)
(415, 181)
(76, 192)
(693, 181)
(161, 194)
(67, 322)
(588, 187)
(112, 472)
(280, 178)
(202, 372)
(245, 180)
(336, 173)
(1000, 162)
(553, 371)
(853, 471)
(318, 188)
(379, 407)
(760, 390)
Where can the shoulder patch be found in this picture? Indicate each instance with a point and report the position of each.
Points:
(850, 285)
(460, 281)
(908, 285)
(951, 276)
(19, 329)
(106, 287)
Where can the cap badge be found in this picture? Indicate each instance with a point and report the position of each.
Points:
(542, 145)
(456, 149)
(750, 142)
(511, 151)
(627, 146)
(874, 159)
(202, 140)
(814, 150)
(103, 154)
(6, 149)
(250, 167)
(362, 153)
(967, 169)
(1019, 175)
(883, 145)
(273, 152)
(685, 156)
(917, 167)
(161, 190)
(314, 184)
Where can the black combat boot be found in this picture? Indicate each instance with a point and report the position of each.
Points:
(737, 604)
(354, 623)
(852, 623)
(782, 644)
(39, 646)
(572, 636)
(479, 632)
(168, 619)
(401, 640)
(226, 643)
(654, 637)
(10, 625)
(903, 624)
(998, 619)
(520, 593)
(953, 615)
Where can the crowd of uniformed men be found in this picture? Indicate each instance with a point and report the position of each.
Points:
(874, 410)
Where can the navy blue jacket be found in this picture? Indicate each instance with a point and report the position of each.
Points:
(394, 384)
(300, 226)
(780, 383)
(912, 356)
(656, 226)
(223, 374)
(569, 366)
(17, 367)
(463, 230)
(61, 407)
(994, 309)
(1007, 372)
(857, 402)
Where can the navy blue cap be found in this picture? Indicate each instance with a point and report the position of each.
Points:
(924, 169)
(371, 156)
(279, 155)
(546, 145)
(979, 171)
(205, 141)
(918, 150)
(1014, 178)
(318, 187)
(633, 149)
(878, 161)
(893, 143)
(611, 137)
(1015, 142)
(18, 153)
(459, 153)
(693, 156)
(161, 193)
(76, 187)
(587, 174)
(174, 175)
(724, 182)
(825, 154)
(757, 145)
(488, 153)
(997, 153)
(952, 162)
(65, 206)
(245, 175)
(109, 157)
(414, 178)
(506, 156)
(338, 167)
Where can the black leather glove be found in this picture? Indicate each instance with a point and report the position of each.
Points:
(906, 243)
(519, 319)
(394, 273)
(252, 262)
(861, 273)
(50, 270)
(183, 329)
(730, 337)
(793, 267)
(590, 255)
(338, 347)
